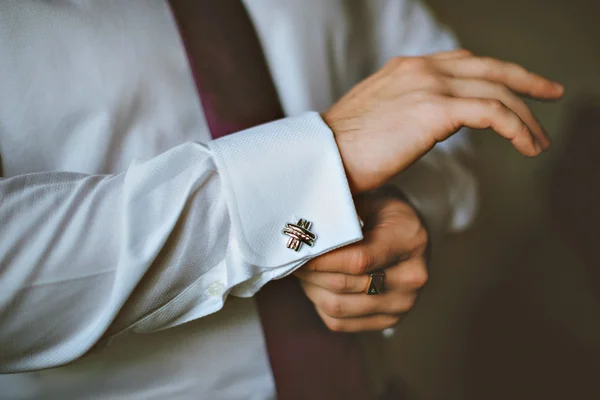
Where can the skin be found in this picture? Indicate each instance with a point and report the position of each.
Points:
(382, 126)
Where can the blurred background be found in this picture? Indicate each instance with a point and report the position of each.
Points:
(512, 308)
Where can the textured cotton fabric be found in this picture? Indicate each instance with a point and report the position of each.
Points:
(127, 242)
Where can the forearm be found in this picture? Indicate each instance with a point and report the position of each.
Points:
(76, 249)
(86, 258)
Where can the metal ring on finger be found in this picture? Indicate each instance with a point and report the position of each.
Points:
(376, 282)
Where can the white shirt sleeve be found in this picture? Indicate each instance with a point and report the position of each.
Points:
(85, 258)
(440, 185)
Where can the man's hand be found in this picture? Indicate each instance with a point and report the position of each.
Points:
(395, 116)
(337, 282)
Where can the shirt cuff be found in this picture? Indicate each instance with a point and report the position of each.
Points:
(278, 173)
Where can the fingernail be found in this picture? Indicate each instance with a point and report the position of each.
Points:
(549, 143)
(559, 87)
(538, 148)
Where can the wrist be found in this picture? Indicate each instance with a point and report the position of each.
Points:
(345, 139)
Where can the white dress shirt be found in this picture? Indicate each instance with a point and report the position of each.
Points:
(130, 244)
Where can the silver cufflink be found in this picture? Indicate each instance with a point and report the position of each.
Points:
(299, 234)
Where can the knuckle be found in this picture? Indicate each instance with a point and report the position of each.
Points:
(486, 61)
(335, 325)
(485, 66)
(416, 277)
(333, 307)
(420, 239)
(338, 283)
(433, 82)
(414, 64)
(407, 303)
(517, 69)
(361, 262)
(422, 278)
(436, 106)
(492, 111)
(394, 62)
(417, 234)
(401, 305)
(410, 302)
(495, 105)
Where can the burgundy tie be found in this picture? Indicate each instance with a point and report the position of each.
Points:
(236, 91)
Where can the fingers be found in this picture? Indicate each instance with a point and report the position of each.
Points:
(494, 114)
(359, 305)
(370, 323)
(511, 75)
(495, 81)
(335, 282)
(478, 88)
(405, 277)
(452, 54)
(359, 312)
(395, 238)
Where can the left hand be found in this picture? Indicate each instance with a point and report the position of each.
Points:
(394, 240)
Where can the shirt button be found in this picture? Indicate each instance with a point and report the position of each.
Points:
(216, 289)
